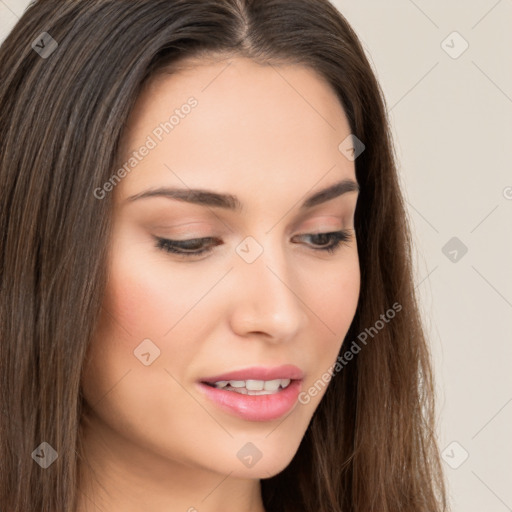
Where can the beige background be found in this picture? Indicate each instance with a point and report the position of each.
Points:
(452, 121)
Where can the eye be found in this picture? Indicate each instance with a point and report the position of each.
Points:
(327, 242)
(187, 248)
(337, 238)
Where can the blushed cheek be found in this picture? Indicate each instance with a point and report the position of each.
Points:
(148, 297)
(128, 316)
(137, 298)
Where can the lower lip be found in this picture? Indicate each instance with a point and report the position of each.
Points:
(255, 407)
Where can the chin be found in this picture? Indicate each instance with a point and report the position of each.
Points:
(262, 457)
(262, 469)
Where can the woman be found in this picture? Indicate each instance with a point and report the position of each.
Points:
(206, 279)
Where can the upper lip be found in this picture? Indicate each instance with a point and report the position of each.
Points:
(286, 371)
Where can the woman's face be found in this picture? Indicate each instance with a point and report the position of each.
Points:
(262, 303)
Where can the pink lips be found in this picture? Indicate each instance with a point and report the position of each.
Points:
(256, 407)
(286, 371)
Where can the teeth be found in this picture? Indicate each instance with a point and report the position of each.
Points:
(272, 385)
(253, 387)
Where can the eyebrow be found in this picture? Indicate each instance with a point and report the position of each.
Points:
(230, 202)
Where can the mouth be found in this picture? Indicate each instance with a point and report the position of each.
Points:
(251, 387)
(255, 394)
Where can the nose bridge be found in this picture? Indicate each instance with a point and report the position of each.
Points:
(265, 290)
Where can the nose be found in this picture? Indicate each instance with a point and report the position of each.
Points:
(267, 297)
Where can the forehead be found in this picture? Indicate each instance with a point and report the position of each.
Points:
(261, 124)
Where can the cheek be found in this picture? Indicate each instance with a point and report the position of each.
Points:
(148, 298)
(334, 305)
(135, 299)
(143, 300)
(145, 296)
(337, 300)
(332, 294)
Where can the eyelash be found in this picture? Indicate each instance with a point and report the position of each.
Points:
(176, 246)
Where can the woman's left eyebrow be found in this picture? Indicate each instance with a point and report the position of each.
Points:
(213, 199)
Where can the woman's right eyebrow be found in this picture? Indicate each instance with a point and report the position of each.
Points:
(210, 198)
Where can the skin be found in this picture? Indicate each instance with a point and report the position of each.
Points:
(152, 441)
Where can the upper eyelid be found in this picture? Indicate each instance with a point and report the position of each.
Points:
(344, 218)
(320, 211)
(320, 231)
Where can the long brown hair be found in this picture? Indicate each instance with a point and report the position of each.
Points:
(371, 443)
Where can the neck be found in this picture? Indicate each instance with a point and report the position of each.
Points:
(117, 475)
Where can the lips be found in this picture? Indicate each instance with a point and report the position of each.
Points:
(287, 371)
(252, 394)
